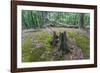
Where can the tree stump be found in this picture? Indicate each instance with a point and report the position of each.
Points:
(55, 39)
(63, 44)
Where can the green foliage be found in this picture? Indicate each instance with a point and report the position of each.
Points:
(87, 20)
(37, 19)
(31, 19)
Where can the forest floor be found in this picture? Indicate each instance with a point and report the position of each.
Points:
(36, 44)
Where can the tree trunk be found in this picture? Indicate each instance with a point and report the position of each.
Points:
(63, 44)
(32, 17)
(81, 20)
(55, 39)
(45, 17)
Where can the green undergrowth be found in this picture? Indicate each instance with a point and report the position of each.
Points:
(82, 42)
(25, 49)
(44, 53)
(38, 54)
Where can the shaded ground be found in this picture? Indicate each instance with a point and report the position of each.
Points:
(36, 44)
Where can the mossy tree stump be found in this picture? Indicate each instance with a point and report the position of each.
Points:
(55, 39)
(63, 44)
(60, 42)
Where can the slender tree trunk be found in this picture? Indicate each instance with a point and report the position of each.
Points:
(45, 17)
(33, 20)
(81, 21)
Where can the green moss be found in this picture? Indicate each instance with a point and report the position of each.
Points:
(72, 34)
(44, 53)
(25, 49)
(36, 54)
(42, 37)
(82, 42)
(45, 38)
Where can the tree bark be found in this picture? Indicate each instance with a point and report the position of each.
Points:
(81, 20)
(63, 44)
(45, 17)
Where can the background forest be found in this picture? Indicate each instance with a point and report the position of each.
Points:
(52, 36)
(38, 19)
